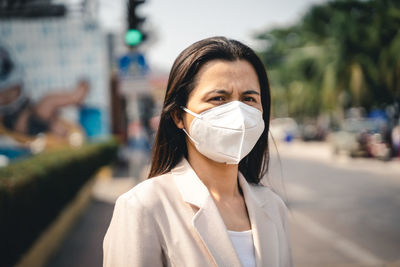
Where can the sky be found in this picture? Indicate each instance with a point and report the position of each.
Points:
(176, 24)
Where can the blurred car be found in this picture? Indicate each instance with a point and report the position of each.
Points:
(284, 129)
(312, 132)
(378, 148)
(359, 138)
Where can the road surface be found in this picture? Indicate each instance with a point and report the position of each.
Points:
(343, 212)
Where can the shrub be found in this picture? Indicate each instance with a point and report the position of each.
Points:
(33, 191)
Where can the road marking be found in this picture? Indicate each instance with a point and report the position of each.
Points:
(342, 244)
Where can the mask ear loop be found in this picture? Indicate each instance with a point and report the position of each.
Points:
(191, 138)
(196, 116)
(191, 112)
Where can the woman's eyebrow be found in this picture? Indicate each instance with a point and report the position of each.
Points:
(218, 91)
(250, 92)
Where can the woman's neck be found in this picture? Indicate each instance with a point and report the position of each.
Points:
(219, 178)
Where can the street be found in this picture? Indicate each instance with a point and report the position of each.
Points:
(342, 214)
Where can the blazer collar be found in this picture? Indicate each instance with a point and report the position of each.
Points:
(261, 213)
(189, 184)
(210, 226)
(206, 221)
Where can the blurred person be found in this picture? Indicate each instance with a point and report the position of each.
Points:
(31, 118)
(396, 140)
(139, 150)
(203, 204)
(154, 122)
(17, 111)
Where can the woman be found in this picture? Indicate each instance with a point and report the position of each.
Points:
(204, 204)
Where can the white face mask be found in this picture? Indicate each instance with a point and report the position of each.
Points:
(226, 133)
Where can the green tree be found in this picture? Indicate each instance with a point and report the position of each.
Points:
(339, 48)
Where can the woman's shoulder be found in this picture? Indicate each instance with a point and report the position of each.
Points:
(268, 194)
(149, 193)
(272, 203)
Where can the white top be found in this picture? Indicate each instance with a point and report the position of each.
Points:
(243, 244)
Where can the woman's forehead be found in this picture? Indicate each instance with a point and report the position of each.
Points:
(218, 66)
(226, 75)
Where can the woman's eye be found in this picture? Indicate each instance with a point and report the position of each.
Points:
(249, 99)
(217, 98)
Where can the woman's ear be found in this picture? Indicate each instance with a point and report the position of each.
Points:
(177, 117)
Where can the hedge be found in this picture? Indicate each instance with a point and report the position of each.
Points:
(34, 191)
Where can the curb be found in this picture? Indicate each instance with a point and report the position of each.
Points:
(52, 237)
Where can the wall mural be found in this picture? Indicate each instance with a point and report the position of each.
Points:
(53, 85)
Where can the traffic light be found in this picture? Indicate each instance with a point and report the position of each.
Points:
(134, 35)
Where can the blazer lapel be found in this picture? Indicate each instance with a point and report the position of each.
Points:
(265, 235)
(207, 221)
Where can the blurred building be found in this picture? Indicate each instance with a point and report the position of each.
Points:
(52, 46)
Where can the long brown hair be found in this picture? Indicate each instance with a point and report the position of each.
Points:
(170, 142)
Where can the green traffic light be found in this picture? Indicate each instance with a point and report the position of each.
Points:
(133, 37)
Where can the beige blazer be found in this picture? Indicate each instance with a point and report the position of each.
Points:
(171, 220)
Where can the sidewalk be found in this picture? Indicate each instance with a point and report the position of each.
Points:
(84, 245)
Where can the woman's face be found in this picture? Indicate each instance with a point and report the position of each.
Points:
(219, 82)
